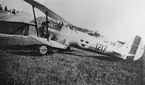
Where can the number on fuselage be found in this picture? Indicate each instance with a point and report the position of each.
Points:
(100, 47)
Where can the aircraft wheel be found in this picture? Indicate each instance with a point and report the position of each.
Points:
(43, 49)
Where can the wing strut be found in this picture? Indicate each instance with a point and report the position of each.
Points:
(35, 19)
(46, 13)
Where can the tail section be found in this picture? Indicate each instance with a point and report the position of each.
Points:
(136, 50)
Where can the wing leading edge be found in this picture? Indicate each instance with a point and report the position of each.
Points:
(53, 15)
(44, 9)
(8, 40)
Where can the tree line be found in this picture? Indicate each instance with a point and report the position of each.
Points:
(5, 8)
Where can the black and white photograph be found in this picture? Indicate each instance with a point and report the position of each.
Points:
(72, 42)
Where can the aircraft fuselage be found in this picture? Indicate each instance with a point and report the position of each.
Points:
(78, 39)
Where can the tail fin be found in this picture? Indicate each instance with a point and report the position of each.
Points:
(137, 49)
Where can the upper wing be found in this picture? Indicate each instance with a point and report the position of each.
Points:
(44, 9)
(53, 15)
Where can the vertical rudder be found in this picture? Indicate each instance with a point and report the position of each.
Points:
(137, 49)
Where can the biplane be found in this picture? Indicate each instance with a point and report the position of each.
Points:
(73, 36)
(64, 35)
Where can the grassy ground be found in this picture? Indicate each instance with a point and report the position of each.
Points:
(75, 68)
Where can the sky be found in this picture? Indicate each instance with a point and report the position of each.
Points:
(115, 19)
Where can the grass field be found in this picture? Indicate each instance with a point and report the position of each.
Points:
(69, 68)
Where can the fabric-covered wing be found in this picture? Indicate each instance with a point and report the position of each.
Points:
(44, 9)
(53, 15)
(13, 40)
(50, 42)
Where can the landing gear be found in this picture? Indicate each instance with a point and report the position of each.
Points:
(43, 49)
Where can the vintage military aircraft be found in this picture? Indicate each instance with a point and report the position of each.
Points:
(73, 36)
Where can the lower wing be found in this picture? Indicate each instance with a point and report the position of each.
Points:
(7, 39)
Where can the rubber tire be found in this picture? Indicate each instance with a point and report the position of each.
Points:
(43, 49)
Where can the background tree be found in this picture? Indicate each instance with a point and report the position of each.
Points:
(6, 8)
(14, 11)
(1, 7)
